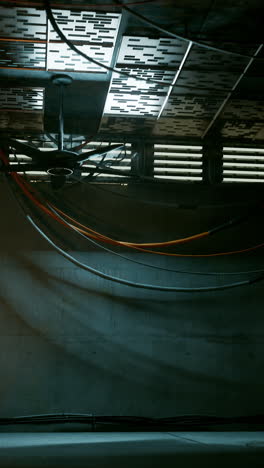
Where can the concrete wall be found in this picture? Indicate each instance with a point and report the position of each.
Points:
(73, 342)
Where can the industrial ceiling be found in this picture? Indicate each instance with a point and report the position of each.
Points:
(214, 93)
(199, 84)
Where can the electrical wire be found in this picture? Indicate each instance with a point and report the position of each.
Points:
(141, 18)
(98, 236)
(135, 198)
(129, 244)
(182, 421)
(108, 68)
(94, 235)
(102, 164)
(124, 282)
(155, 25)
(76, 5)
(147, 264)
(82, 145)
(131, 283)
(141, 249)
(138, 246)
(200, 273)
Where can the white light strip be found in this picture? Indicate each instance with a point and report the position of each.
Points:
(34, 173)
(261, 173)
(230, 179)
(243, 150)
(178, 177)
(177, 163)
(174, 170)
(251, 158)
(156, 145)
(104, 175)
(244, 165)
(175, 79)
(247, 166)
(176, 154)
(102, 143)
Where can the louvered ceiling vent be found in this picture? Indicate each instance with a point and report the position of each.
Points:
(178, 162)
(243, 164)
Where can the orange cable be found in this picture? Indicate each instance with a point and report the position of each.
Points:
(134, 244)
(218, 254)
(23, 186)
(174, 254)
(76, 5)
(13, 39)
(136, 247)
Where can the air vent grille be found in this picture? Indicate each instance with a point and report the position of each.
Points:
(178, 162)
(118, 160)
(243, 164)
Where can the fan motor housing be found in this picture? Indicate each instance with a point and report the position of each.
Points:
(62, 162)
(60, 171)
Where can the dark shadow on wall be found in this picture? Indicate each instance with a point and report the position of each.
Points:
(140, 348)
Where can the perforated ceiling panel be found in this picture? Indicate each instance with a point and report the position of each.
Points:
(204, 77)
(151, 52)
(22, 55)
(207, 59)
(243, 109)
(26, 99)
(151, 126)
(120, 126)
(31, 121)
(94, 33)
(61, 57)
(209, 80)
(239, 129)
(86, 25)
(180, 127)
(28, 45)
(23, 23)
(25, 32)
(191, 106)
(202, 86)
(158, 60)
(134, 97)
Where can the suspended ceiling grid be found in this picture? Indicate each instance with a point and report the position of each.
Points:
(204, 81)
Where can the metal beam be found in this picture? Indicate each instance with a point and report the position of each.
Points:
(118, 43)
(40, 79)
(175, 78)
(212, 161)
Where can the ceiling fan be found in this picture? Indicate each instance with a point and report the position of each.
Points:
(60, 163)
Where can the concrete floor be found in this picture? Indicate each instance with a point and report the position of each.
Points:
(244, 449)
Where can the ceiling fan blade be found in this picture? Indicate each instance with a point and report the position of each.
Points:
(23, 167)
(57, 182)
(107, 170)
(98, 152)
(27, 150)
(77, 173)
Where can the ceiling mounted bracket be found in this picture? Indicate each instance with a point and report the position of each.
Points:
(61, 80)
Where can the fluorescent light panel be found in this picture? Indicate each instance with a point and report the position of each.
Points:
(244, 165)
(178, 162)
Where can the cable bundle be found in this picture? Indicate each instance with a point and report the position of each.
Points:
(89, 233)
(101, 422)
